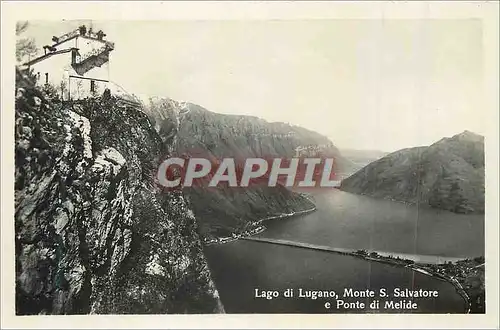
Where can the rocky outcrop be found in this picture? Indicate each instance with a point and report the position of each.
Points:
(94, 234)
(448, 175)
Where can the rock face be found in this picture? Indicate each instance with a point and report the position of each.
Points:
(224, 210)
(448, 175)
(94, 234)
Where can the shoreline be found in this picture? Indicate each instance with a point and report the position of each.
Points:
(458, 287)
(259, 227)
(411, 203)
(422, 269)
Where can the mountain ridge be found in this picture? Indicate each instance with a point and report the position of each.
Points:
(204, 133)
(448, 174)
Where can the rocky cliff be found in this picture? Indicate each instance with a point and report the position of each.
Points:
(197, 131)
(449, 175)
(93, 233)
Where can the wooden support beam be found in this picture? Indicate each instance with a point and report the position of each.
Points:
(86, 78)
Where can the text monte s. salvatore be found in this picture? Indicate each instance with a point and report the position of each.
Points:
(352, 299)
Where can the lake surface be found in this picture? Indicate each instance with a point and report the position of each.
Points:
(349, 221)
(352, 221)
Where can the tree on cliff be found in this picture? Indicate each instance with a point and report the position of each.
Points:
(25, 47)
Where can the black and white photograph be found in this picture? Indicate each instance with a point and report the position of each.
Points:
(250, 166)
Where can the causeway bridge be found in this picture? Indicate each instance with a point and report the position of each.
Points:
(430, 259)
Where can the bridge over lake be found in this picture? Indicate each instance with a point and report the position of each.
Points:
(419, 258)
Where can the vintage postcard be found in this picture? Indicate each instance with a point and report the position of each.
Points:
(226, 164)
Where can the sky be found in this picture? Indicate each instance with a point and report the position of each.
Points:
(366, 84)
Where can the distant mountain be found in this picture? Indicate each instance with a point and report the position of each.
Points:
(361, 158)
(197, 131)
(449, 175)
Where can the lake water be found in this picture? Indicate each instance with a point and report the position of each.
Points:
(350, 221)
